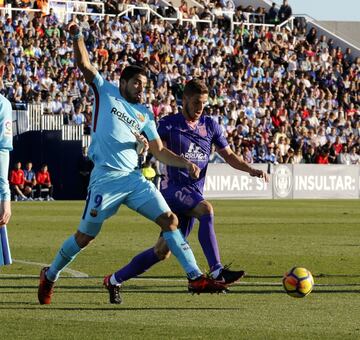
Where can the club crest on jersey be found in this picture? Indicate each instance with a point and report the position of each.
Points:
(202, 130)
(141, 117)
(93, 212)
(8, 128)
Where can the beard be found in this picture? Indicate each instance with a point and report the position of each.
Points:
(132, 98)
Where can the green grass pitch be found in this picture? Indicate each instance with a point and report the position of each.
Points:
(266, 238)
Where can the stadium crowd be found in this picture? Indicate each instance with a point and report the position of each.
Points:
(281, 95)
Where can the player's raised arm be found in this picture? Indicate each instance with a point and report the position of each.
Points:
(81, 53)
(168, 157)
(233, 160)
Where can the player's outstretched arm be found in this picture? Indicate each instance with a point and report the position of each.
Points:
(233, 160)
(81, 53)
(167, 157)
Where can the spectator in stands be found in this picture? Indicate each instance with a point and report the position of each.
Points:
(272, 15)
(17, 183)
(285, 11)
(44, 184)
(275, 69)
(88, 120)
(183, 8)
(30, 180)
(68, 109)
(57, 105)
(78, 117)
(354, 155)
(344, 156)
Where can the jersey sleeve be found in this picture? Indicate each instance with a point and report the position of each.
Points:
(5, 124)
(150, 127)
(218, 136)
(98, 81)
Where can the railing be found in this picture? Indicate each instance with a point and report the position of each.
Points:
(289, 22)
(72, 132)
(52, 122)
(63, 12)
(33, 119)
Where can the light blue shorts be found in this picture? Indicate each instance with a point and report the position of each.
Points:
(108, 190)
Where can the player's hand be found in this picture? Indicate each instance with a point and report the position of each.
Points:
(194, 170)
(142, 143)
(5, 212)
(260, 174)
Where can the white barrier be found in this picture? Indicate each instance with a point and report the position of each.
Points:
(33, 119)
(72, 132)
(286, 182)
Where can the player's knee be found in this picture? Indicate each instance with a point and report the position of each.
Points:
(167, 221)
(205, 208)
(82, 239)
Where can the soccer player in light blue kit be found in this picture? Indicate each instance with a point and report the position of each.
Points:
(191, 135)
(5, 147)
(118, 121)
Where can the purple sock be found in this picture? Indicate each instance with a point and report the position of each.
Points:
(138, 265)
(207, 239)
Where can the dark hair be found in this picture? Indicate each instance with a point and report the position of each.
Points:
(132, 71)
(3, 54)
(195, 86)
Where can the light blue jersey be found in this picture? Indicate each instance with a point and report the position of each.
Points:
(113, 144)
(5, 146)
(116, 179)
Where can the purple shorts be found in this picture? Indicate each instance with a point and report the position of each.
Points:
(181, 199)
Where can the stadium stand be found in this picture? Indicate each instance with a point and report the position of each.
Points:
(282, 93)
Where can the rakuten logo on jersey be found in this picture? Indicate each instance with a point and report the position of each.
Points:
(131, 122)
(194, 153)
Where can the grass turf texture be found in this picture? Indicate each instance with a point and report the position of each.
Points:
(266, 238)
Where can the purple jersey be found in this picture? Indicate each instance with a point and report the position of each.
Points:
(194, 144)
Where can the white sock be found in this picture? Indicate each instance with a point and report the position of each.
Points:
(113, 281)
(215, 273)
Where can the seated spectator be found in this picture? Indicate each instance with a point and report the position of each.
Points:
(354, 155)
(17, 183)
(68, 109)
(56, 105)
(323, 156)
(78, 117)
(88, 120)
(344, 156)
(183, 8)
(30, 180)
(289, 157)
(44, 182)
(310, 155)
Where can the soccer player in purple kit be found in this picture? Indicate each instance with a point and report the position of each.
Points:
(191, 134)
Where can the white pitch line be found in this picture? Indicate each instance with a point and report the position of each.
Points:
(72, 272)
(81, 275)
